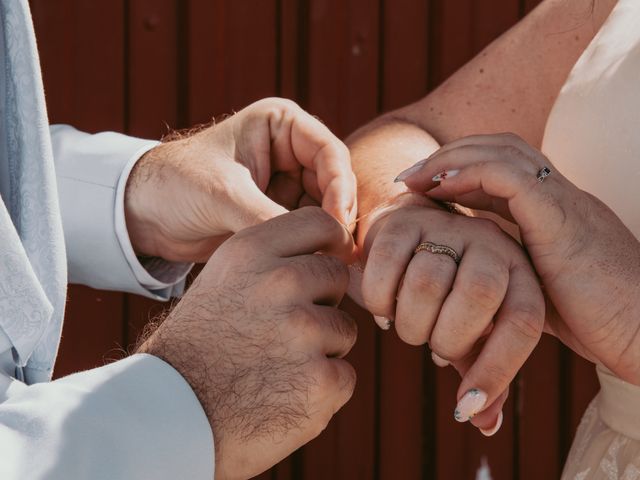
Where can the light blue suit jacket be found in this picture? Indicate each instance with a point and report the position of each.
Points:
(136, 418)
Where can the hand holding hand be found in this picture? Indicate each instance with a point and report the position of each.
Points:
(588, 261)
(259, 338)
(484, 315)
(186, 196)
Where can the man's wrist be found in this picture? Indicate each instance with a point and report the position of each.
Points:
(138, 214)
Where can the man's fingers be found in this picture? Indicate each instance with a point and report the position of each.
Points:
(304, 231)
(339, 198)
(517, 330)
(317, 149)
(319, 279)
(333, 331)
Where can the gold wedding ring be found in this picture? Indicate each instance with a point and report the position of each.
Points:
(438, 250)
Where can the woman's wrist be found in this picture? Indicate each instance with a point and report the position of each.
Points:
(374, 215)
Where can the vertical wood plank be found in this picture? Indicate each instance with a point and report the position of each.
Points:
(81, 47)
(290, 49)
(458, 30)
(152, 67)
(462, 28)
(82, 54)
(345, 450)
(232, 60)
(342, 71)
(583, 387)
(405, 51)
(406, 430)
(231, 55)
(539, 413)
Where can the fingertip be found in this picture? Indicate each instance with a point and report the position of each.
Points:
(439, 361)
(490, 432)
(383, 322)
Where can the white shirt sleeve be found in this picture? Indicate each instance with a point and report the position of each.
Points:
(133, 419)
(92, 172)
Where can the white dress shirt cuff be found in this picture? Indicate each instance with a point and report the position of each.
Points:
(135, 418)
(92, 173)
(156, 273)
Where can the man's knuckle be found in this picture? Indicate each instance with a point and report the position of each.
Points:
(347, 328)
(303, 323)
(320, 423)
(330, 377)
(285, 274)
(337, 270)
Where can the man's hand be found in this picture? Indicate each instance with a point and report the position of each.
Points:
(186, 196)
(259, 338)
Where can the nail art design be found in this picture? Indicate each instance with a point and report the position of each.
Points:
(383, 323)
(469, 405)
(490, 432)
(444, 175)
(410, 171)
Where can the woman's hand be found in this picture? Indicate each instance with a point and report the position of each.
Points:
(186, 196)
(588, 261)
(484, 315)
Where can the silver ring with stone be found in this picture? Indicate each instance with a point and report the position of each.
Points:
(543, 173)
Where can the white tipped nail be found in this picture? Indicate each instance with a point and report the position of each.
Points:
(490, 432)
(383, 322)
(470, 405)
(444, 175)
(410, 171)
(439, 361)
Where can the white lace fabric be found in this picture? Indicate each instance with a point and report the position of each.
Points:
(607, 443)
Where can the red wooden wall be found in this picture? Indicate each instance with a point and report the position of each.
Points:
(137, 66)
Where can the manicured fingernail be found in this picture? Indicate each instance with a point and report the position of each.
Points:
(439, 361)
(410, 171)
(446, 174)
(490, 432)
(383, 323)
(469, 405)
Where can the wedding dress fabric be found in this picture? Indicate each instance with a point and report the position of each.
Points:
(593, 138)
